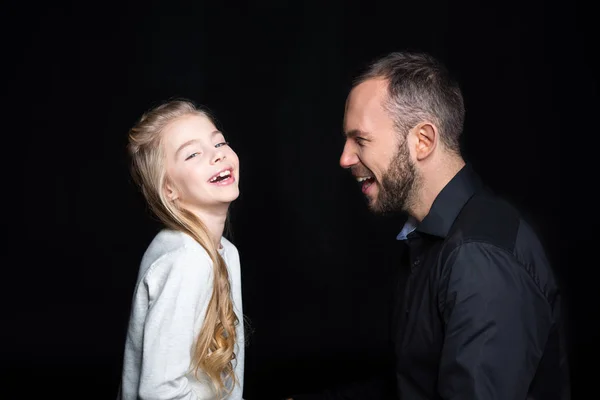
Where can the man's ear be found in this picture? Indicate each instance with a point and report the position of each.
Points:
(426, 138)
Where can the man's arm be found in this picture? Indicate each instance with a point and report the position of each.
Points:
(497, 322)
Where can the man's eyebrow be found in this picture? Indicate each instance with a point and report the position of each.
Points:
(354, 133)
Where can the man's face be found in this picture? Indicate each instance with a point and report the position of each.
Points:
(377, 155)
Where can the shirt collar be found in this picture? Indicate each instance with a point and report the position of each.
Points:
(409, 226)
(446, 206)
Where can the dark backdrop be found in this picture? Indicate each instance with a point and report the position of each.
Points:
(315, 262)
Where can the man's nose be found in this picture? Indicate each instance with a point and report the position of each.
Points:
(348, 157)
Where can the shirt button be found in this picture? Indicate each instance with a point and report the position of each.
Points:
(417, 262)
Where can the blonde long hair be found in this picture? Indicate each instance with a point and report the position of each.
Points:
(214, 347)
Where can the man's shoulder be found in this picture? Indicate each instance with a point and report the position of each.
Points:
(488, 224)
(491, 221)
(488, 219)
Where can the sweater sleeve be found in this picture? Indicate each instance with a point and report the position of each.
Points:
(179, 288)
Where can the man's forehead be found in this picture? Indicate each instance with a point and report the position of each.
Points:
(364, 100)
(366, 97)
(369, 90)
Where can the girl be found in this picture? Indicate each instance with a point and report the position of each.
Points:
(185, 339)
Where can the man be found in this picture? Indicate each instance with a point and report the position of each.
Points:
(480, 311)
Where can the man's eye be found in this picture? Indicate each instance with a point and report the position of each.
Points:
(192, 155)
(360, 141)
(222, 144)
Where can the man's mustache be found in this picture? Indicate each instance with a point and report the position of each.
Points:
(360, 171)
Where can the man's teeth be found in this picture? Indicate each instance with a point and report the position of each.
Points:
(363, 178)
(221, 175)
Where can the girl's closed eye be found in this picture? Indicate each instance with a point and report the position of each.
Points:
(192, 155)
(222, 144)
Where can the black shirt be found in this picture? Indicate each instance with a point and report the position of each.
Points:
(480, 316)
(477, 310)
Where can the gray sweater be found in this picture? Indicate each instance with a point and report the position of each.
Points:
(171, 296)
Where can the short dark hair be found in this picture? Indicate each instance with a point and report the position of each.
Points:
(420, 88)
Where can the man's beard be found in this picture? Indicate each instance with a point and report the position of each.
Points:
(398, 184)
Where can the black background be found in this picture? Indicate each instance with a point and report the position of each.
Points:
(315, 262)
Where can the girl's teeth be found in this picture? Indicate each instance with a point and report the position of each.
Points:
(222, 174)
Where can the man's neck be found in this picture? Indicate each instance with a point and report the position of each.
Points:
(432, 183)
